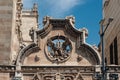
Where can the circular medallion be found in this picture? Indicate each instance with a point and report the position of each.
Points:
(58, 49)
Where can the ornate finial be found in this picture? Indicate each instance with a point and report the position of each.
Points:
(45, 19)
(35, 7)
(85, 30)
(72, 18)
(84, 35)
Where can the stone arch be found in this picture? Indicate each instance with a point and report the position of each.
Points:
(25, 52)
(94, 53)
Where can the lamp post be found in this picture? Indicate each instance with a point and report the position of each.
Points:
(102, 41)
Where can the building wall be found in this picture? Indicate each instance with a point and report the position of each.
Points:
(10, 11)
(29, 21)
(6, 22)
(111, 9)
(72, 61)
(4, 76)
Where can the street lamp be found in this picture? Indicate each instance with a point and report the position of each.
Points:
(102, 42)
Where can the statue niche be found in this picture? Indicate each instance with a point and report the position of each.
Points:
(58, 49)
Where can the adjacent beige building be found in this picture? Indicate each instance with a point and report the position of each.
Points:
(6, 27)
(111, 20)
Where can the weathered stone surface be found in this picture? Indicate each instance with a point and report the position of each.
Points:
(4, 76)
(5, 30)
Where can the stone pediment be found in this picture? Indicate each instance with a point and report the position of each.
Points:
(59, 43)
(58, 51)
(67, 24)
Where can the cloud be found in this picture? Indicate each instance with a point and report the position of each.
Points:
(55, 8)
(60, 7)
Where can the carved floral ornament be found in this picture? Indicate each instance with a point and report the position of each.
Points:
(57, 76)
(58, 49)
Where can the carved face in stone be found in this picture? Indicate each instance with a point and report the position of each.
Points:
(58, 49)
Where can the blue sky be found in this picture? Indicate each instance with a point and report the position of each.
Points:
(87, 13)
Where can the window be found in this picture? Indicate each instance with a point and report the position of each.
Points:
(111, 54)
(114, 52)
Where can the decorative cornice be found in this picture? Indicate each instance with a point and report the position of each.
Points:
(67, 23)
(44, 69)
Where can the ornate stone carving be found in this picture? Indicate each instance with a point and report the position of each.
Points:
(58, 49)
(31, 33)
(18, 19)
(45, 19)
(36, 77)
(72, 18)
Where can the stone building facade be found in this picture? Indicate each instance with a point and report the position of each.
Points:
(57, 52)
(111, 11)
(110, 24)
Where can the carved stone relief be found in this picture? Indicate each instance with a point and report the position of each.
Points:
(56, 76)
(58, 49)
